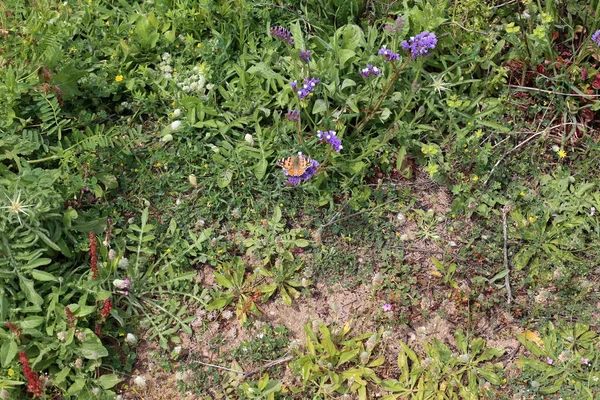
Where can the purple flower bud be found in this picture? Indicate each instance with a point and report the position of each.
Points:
(292, 115)
(370, 70)
(307, 88)
(388, 54)
(596, 37)
(282, 33)
(305, 55)
(421, 44)
(331, 138)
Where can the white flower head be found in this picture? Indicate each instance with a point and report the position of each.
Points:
(140, 381)
(175, 125)
(249, 139)
(176, 112)
(131, 339)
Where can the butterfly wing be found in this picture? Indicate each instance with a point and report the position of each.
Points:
(294, 166)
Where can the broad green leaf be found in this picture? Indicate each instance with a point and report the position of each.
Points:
(93, 349)
(43, 276)
(260, 169)
(345, 55)
(224, 179)
(31, 322)
(76, 387)
(8, 351)
(108, 381)
(319, 107)
(29, 290)
(38, 263)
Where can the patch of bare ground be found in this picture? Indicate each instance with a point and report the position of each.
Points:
(437, 310)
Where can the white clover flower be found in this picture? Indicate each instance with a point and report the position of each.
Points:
(227, 314)
(123, 263)
(175, 125)
(176, 112)
(140, 381)
(177, 350)
(249, 139)
(131, 339)
(62, 336)
(96, 391)
(112, 254)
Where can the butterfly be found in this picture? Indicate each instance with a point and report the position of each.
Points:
(295, 165)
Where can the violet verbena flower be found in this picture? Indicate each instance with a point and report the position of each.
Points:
(596, 37)
(305, 55)
(370, 70)
(282, 33)
(331, 138)
(292, 115)
(310, 171)
(421, 44)
(388, 54)
(306, 89)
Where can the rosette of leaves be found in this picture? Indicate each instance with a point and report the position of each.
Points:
(564, 359)
(333, 363)
(270, 239)
(442, 373)
(235, 287)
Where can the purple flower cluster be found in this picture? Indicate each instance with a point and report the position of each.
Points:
(370, 70)
(305, 55)
(282, 33)
(388, 54)
(596, 37)
(310, 171)
(421, 44)
(331, 138)
(309, 86)
(293, 115)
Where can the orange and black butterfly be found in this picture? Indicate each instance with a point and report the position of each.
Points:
(295, 165)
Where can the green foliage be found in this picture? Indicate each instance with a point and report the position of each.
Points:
(559, 230)
(564, 360)
(444, 373)
(332, 362)
(159, 287)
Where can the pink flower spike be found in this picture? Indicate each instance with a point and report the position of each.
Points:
(388, 307)
(585, 361)
(549, 360)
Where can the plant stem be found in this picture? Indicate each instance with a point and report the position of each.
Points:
(371, 113)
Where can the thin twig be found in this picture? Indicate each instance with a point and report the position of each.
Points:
(251, 372)
(268, 365)
(505, 4)
(553, 92)
(509, 298)
(546, 130)
(220, 367)
(465, 29)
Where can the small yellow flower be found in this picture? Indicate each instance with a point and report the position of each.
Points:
(158, 164)
(451, 229)
(168, 250)
(562, 154)
(10, 372)
(72, 50)
(475, 178)
(131, 32)
(135, 170)
(199, 45)
(118, 78)
(107, 23)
